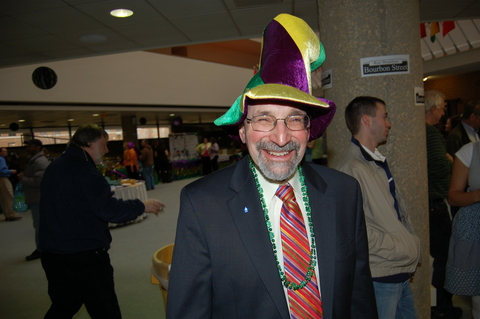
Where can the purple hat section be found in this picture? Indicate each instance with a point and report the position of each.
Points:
(282, 61)
(320, 118)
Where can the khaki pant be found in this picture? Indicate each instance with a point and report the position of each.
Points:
(6, 197)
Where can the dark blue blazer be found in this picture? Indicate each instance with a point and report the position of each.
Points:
(223, 264)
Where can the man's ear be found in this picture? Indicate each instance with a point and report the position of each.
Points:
(241, 133)
(366, 119)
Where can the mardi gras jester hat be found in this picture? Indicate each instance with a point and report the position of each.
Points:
(290, 52)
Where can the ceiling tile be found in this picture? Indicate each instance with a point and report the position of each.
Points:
(57, 21)
(172, 9)
(24, 6)
(47, 43)
(148, 30)
(196, 24)
(15, 30)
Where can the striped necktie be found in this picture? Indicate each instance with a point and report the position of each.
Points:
(304, 302)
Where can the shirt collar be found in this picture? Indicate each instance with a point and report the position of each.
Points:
(472, 134)
(270, 188)
(367, 154)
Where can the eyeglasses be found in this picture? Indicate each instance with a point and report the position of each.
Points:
(266, 123)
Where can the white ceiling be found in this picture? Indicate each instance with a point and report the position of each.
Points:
(38, 31)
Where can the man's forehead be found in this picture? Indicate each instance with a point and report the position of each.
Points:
(272, 109)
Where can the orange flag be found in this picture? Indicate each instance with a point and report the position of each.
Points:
(434, 29)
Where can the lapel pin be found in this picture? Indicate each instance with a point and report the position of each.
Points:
(245, 210)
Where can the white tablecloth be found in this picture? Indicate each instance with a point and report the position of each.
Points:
(137, 191)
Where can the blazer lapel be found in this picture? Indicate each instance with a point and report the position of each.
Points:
(324, 223)
(247, 214)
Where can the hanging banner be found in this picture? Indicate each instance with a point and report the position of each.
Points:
(385, 65)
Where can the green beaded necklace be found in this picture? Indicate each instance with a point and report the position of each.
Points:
(313, 255)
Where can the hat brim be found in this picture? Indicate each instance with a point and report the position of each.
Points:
(321, 111)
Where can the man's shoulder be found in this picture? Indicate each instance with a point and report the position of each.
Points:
(351, 160)
(333, 177)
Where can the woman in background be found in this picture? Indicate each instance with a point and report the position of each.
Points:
(463, 266)
(130, 160)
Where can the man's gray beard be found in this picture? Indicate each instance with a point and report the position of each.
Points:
(285, 170)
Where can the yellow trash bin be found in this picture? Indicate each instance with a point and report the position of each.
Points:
(162, 259)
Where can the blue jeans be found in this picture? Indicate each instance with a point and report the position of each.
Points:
(394, 300)
(148, 177)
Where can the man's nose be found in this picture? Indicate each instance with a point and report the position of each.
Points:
(280, 134)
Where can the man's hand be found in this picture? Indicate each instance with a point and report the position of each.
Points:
(20, 176)
(153, 206)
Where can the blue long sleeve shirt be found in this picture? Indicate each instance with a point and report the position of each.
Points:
(4, 171)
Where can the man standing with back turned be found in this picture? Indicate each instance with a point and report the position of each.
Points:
(270, 237)
(439, 165)
(76, 205)
(393, 246)
(31, 179)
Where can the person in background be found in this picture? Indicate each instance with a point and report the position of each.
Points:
(130, 160)
(6, 190)
(146, 158)
(47, 154)
(452, 123)
(439, 167)
(12, 164)
(203, 151)
(272, 236)
(31, 179)
(467, 130)
(394, 248)
(463, 264)
(76, 205)
(213, 151)
(162, 163)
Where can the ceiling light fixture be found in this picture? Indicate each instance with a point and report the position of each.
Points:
(425, 78)
(21, 121)
(96, 114)
(121, 13)
(70, 120)
(172, 114)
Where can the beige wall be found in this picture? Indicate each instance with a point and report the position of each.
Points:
(136, 78)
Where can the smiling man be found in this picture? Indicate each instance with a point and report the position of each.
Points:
(270, 236)
(393, 246)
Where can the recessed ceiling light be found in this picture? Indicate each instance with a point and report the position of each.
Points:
(172, 114)
(21, 121)
(93, 38)
(96, 114)
(70, 120)
(121, 13)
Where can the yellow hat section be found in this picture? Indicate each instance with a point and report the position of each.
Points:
(283, 93)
